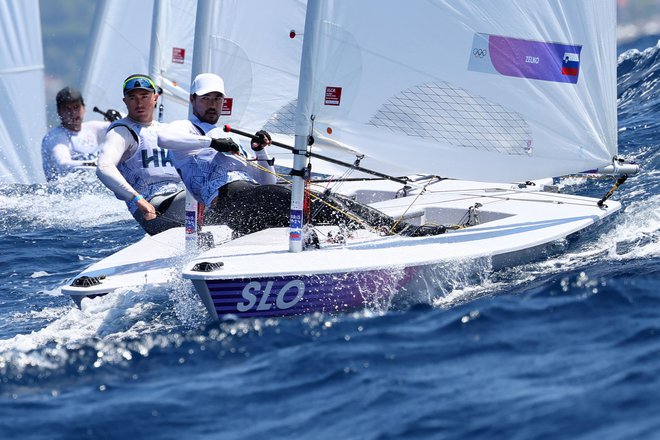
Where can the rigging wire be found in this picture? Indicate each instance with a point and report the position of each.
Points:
(464, 195)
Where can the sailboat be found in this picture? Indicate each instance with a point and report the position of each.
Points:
(486, 90)
(263, 93)
(21, 63)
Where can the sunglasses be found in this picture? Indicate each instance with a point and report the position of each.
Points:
(139, 82)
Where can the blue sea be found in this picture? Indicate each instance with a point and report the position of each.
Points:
(568, 347)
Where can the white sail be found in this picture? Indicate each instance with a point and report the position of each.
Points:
(121, 45)
(251, 48)
(172, 53)
(260, 68)
(22, 92)
(489, 90)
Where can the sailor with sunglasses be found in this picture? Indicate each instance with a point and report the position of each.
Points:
(135, 168)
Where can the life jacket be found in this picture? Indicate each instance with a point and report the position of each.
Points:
(149, 170)
(209, 170)
(82, 146)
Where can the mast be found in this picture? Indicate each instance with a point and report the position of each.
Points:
(202, 44)
(303, 126)
(155, 68)
(201, 63)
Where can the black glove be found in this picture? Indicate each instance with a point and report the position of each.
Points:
(260, 140)
(112, 115)
(224, 145)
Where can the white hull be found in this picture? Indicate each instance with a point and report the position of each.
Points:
(151, 262)
(157, 260)
(259, 277)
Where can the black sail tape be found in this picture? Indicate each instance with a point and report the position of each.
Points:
(305, 172)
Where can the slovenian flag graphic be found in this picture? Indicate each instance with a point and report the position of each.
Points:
(571, 64)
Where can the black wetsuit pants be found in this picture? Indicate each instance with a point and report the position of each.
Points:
(171, 210)
(247, 207)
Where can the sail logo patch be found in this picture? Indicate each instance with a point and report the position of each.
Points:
(528, 59)
(227, 105)
(178, 55)
(332, 95)
(571, 64)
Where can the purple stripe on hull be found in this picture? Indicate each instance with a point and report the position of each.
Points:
(316, 297)
(296, 295)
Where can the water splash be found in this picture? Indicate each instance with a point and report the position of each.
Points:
(187, 305)
(71, 202)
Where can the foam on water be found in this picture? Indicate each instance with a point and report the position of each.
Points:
(187, 306)
(120, 316)
(71, 202)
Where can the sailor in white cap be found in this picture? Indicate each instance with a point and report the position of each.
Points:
(204, 155)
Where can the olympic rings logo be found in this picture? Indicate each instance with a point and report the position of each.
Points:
(479, 53)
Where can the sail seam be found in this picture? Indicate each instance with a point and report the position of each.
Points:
(23, 69)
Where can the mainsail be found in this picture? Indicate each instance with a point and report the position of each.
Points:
(489, 90)
(22, 92)
(248, 45)
(158, 41)
(252, 49)
(171, 54)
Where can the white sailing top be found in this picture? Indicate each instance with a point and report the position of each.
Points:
(63, 150)
(205, 170)
(127, 165)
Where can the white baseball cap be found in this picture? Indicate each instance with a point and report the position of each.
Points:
(206, 83)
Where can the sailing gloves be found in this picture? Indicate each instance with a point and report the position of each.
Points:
(111, 115)
(224, 145)
(260, 140)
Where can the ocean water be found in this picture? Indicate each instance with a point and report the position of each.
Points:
(568, 347)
